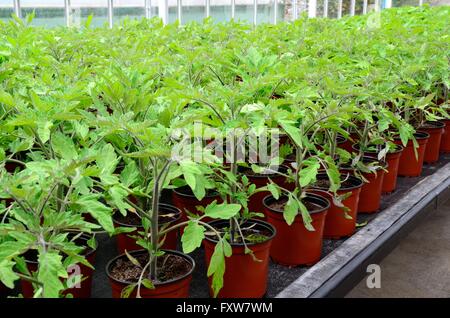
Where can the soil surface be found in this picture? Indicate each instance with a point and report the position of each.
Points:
(132, 219)
(186, 190)
(170, 267)
(325, 184)
(253, 233)
(279, 205)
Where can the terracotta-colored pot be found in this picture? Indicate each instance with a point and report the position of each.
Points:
(445, 140)
(184, 199)
(336, 224)
(392, 159)
(370, 196)
(125, 242)
(174, 288)
(435, 129)
(260, 180)
(83, 290)
(409, 165)
(294, 244)
(347, 145)
(244, 277)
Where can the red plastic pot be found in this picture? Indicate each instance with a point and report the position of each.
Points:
(125, 242)
(82, 291)
(392, 159)
(294, 244)
(184, 199)
(435, 129)
(348, 143)
(244, 277)
(370, 196)
(336, 224)
(260, 180)
(391, 175)
(409, 165)
(445, 140)
(174, 288)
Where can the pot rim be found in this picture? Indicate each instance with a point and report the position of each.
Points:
(437, 125)
(90, 251)
(185, 256)
(308, 194)
(419, 134)
(259, 222)
(175, 190)
(382, 164)
(177, 217)
(399, 148)
(268, 175)
(352, 177)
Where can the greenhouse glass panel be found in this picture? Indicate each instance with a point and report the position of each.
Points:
(333, 8)
(82, 9)
(359, 7)
(220, 10)
(6, 9)
(193, 10)
(402, 3)
(131, 9)
(244, 11)
(48, 13)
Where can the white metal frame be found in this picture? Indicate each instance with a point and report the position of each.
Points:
(179, 11)
(110, 14)
(275, 11)
(312, 8)
(163, 7)
(294, 9)
(17, 9)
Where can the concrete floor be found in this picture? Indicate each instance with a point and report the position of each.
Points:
(419, 266)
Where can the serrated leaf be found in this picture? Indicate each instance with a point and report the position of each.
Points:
(192, 237)
(50, 271)
(7, 275)
(223, 211)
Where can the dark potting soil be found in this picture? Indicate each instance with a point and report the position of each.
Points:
(186, 190)
(279, 276)
(430, 125)
(169, 267)
(279, 205)
(325, 184)
(252, 233)
(132, 219)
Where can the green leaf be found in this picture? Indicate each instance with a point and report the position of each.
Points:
(44, 130)
(130, 174)
(290, 210)
(126, 291)
(148, 283)
(216, 268)
(6, 98)
(308, 175)
(64, 146)
(307, 220)
(223, 211)
(7, 275)
(118, 195)
(50, 271)
(292, 131)
(274, 190)
(98, 210)
(192, 237)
